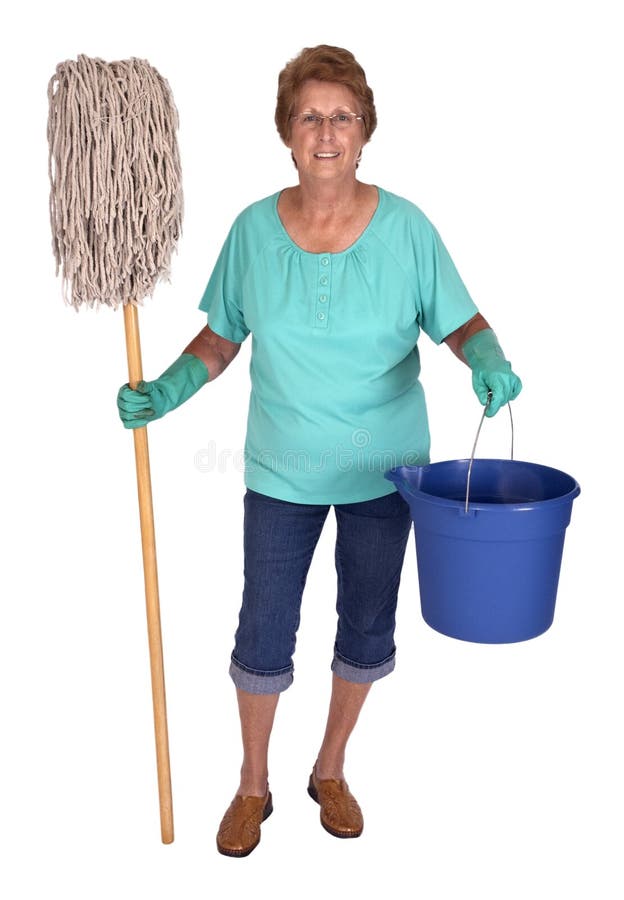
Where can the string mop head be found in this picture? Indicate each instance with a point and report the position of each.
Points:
(116, 200)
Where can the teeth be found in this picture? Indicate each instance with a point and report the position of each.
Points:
(326, 155)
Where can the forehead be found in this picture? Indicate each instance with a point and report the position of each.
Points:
(324, 96)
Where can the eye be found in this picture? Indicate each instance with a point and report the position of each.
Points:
(309, 119)
(343, 118)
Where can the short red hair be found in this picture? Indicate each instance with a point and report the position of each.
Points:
(323, 63)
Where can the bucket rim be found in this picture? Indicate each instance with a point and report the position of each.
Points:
(394, 475)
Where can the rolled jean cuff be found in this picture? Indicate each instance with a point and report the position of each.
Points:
(360, 673)
(255, 682)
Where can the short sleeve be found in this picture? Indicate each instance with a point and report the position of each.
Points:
(223, 297)
(445, 303)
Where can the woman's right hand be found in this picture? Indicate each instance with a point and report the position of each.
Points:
(136, 407)
(153, 399)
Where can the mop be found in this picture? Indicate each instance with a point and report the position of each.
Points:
(116, 214)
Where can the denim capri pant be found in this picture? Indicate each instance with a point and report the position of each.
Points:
(279, 541)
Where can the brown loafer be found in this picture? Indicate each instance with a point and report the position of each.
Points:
(239, 832)
(340, 811)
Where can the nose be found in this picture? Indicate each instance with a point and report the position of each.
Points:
(326, 130)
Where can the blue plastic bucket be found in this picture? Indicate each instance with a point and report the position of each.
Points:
(488, 573)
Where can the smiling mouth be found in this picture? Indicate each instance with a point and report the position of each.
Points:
(326, 155)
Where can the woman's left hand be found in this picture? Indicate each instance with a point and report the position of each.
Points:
(490, 371)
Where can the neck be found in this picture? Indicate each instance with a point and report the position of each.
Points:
(316, 197)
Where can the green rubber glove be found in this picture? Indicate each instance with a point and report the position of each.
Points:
(152, 399)
(490, 371)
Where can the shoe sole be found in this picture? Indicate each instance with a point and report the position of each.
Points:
(339, 834)
(268, 809)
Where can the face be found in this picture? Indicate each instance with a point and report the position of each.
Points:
(326, 152)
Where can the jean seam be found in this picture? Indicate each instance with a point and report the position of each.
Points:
(357, 665)
(270, 673)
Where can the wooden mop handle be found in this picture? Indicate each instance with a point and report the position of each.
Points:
(148, 540)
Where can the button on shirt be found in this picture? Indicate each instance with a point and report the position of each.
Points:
(335, 396)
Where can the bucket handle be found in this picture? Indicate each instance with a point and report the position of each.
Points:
(474, 446)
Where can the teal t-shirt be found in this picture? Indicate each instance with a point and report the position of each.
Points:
(335, 397)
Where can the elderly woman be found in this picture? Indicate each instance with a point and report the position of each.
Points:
(334, 279)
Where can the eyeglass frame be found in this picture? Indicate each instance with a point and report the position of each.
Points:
(353, 117)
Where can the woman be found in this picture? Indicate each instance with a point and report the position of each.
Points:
(334, 279)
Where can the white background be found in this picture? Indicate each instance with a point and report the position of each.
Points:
(489, 772)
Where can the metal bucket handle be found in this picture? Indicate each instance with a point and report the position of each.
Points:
(474, 446)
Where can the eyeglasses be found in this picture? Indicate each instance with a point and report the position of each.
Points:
(338, 120)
